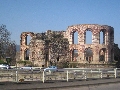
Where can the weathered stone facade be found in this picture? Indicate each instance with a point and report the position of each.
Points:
(100, 53)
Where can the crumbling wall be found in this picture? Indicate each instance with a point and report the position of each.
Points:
(107, 46)
(23, 44)
(55, 46)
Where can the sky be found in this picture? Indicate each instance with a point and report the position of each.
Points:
(41, 15)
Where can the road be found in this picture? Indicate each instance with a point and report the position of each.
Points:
(115, 86)
(98, 84)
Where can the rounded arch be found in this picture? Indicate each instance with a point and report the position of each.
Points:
(24, 37)
(88, 36)
(24, 34)
(75, 55)
(75, 36)
(103, 30)
(102, 38)
(74, 30)
(88, 29)
(88, 54)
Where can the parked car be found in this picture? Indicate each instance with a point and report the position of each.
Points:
(26, 67)
(51, 68)
(4, 66)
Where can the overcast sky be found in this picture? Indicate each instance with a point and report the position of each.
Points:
(42, 15)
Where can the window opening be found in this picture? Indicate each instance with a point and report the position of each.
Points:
(75, 37)
(26, 55)
(101, 38)
(75, 55)
(102, 54)
(88, 54)
(28, 38)
(88, 37)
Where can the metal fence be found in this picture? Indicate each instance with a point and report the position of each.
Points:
(21, 75)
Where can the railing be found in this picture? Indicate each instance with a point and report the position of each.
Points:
(20, 75)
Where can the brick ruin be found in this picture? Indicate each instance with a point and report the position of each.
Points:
(95, 53)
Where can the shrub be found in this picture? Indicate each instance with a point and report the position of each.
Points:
(25, 62)
(73, 64)
(63, 64)
(2, 62)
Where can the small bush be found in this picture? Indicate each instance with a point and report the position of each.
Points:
(25, 62)
(63, 64)
(2, 62)
(73, 65)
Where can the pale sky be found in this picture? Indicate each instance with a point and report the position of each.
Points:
(42, 15)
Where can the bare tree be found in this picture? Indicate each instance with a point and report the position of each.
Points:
(7, 47)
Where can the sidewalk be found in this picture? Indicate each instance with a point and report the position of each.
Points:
(38, 85)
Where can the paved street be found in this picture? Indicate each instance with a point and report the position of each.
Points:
(115, 86)
(96, 84)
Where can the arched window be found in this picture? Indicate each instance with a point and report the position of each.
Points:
(75, 37)
(28, 38)
(75, 54)
(26, 54)
(102, 37)
(102, 54)
(88, 54)
(88, 37)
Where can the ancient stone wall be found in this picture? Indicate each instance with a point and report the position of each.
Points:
(98, 53)
(23, 44)
(96, 47)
